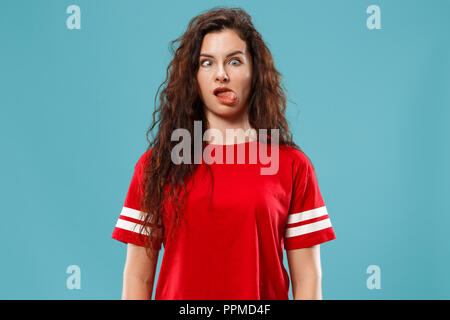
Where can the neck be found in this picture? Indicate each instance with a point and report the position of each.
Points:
(229, 130)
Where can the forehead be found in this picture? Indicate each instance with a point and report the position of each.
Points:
(222, 42)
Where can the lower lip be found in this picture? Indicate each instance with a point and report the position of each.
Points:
(226, 101)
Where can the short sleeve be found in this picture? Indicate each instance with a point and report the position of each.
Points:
(308, 223)
(131, 217)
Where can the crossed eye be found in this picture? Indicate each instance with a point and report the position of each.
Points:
(239, 62)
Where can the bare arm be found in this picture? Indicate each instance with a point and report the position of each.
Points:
(306, 273)
(138, 274)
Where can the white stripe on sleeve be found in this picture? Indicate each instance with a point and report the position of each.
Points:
(308, 228)
(306, 215)
(132, 213)
(130, 226)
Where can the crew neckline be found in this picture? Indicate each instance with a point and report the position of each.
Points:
(231, 144)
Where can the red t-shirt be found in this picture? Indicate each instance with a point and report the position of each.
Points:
(229, 243)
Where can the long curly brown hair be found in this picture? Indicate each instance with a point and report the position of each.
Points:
(180, 105)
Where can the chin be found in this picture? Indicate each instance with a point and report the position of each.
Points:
(226, 111)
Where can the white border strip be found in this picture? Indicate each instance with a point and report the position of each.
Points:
(132, 213)
(130, 226)
(306, 215)
(308, 228)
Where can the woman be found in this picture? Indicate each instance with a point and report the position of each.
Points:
(223, 224)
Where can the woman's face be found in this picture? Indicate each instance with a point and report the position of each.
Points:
(224, 61)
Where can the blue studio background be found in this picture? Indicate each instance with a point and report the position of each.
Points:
(370, 107)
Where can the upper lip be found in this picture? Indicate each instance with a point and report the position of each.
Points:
(218, 89)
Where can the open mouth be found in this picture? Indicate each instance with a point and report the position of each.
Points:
(221, 90)
(225, 95)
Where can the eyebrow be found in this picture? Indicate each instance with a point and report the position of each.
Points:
(228, 55)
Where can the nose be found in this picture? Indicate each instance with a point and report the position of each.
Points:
(221, 75)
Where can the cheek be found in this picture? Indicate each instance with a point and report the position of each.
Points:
(201, 83)
(246, 81)
(245, 75)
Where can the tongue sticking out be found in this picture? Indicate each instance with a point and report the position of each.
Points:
(227, 97)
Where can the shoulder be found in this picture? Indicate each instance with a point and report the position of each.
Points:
(143, 160)
(300, 164)
(296, 156)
